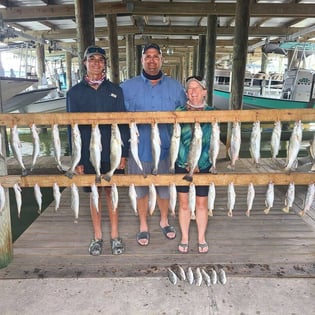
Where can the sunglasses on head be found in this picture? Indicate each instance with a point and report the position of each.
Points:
(195, 77)
(93, 50)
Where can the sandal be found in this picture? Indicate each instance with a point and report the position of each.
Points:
(168, 229)
(143, 236)
(117, 246)
(202, 246)
(184, 247)
(95, 248)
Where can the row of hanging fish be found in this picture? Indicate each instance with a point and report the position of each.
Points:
(208, 275)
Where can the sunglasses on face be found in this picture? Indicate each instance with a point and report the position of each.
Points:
(195, 77)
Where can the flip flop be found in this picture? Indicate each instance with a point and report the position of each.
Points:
(168, 229)
(184, 247)
(143, 236)
(202, 246)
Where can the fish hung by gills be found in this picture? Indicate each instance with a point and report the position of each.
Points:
(95, 151)
(57, 195)
(214, 146)
(38, 197)
(134, 140)
(2, 199)
(231, 199)
(275, 139)
(211, 199)
(75, 201)
(57, 146)
(255, 139)
(36, 146)
(174, 148)
(133, 198)
(156, 147)
(250, 198)
(76, 150)
(235, 144)
(289, 198)
(18, 198)
(310, 195)
(269, 197)
(16, 147)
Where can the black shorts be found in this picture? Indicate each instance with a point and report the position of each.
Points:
(105, 167)
(201, 191)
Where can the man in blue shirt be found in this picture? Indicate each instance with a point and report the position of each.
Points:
(152, 91)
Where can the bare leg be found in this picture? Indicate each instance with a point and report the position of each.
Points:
(113, 215)
(184, 220)
(202, 222)
(96, 218)
(142, 204)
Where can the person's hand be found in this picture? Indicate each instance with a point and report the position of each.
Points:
(79, 169)
(122, 163)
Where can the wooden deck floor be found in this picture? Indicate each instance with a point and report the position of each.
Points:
(277, 244)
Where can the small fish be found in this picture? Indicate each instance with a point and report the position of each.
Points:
(180, 272)
(214, 146)
(2, 199)
(289, 198)
(115, 151)
(134, 140)
(174, 148)
(57, 146)
(194, 152)
(294, 145)
(310, 195)
(57, 195)
(192, 200)
(312, 152)
(152, 198)
(16, 147)
(222, 276)
(211, 199)
(18, 197)
(76, 150)
(38, 197)
(156, 147)
(250, 198)
(255, 139)
(114, 195)
(269, 197)
(235, 144)
(276, 139)
(133, 198)
(75, 203)
(231, 199)
(94, 196)
(198, 277)
(95, 151)
(173, 198)
(171, 276)
(190, 276)
(206, 277)
(213, 276)
(36, 146)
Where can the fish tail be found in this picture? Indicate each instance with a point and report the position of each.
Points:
(172, 170)
(155, 171)
(69, 174)
(247, 213)
(286, 209)
(302, 213)
(230, 213)
(98, 179)
(266, 211)
(188, 178)
(210, 213)
(25, 172)
(107, 176)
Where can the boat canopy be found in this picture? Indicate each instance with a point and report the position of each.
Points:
(297, 46)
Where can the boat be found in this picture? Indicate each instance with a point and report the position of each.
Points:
(297, 89)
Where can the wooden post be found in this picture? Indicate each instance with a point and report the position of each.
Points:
(113, 47)
(138, 59)
(6, 248)
(68, 69)
(40, 54)
(130, 56)
(201, 55)
(211, 49)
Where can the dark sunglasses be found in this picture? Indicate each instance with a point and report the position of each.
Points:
(93, 50)
(195, 77)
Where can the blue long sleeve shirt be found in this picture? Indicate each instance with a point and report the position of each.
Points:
(141, 96)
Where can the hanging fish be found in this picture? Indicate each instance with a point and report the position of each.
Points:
(174, 148)
(36, 146)
(133, 198)
(57, 195)
(94, 196)
(173, 198)
(194, 152)
(38, 197)
(2, 199)
(16, 147)
(214, 146)
(152, 198)
(294, 145)
(235, 144)
(211, 199)
(114, 195)
(269, 197)
(255, 139)
(310, 195)
(57, 146)
(231, 199)
(95, 151)
(18, 197)
(312, 152)
(276, 139)
(115, 151)
(250, 198)
(192, 200)
(76, 150)
(134, 140)
(75, 201)
(289, 198)
(2, 156)
(156, 147)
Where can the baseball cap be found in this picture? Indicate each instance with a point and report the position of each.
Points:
(152, 45)
(94, 50)
(197, 79)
